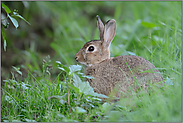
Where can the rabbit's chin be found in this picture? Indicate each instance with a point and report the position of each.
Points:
(84, 63)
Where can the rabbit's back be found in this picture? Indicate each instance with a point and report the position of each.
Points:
(119, 72)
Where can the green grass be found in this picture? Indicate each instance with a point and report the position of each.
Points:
(152, 30)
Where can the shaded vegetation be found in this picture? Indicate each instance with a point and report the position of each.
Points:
(43, 84)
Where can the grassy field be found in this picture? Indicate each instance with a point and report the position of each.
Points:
(45, 83)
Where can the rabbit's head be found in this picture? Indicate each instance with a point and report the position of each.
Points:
(96, 51)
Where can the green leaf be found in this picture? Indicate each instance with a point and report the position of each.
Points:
(89, 77)
(156, 38)
(74, 88)
(6, 121)
(24, 86)
(148, 25)
(28, 120)
(61, 68)
(14, 21)
(74, 68)
(105, 106)
(16, 68)
(19, 72)
(17, 15)
(84, 87)
(100, 95)
(4, 21)
(62, 101)
(131, 53)
(168, 81)
(57, 97)
(26, 4)
(80, 110)
(4, 40)
(9, 99)
(5, 44)
(61, 98)
(6, 8)
(77, 81)
(58, 62)
(16, 121)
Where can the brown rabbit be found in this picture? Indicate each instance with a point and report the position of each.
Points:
(118, 73)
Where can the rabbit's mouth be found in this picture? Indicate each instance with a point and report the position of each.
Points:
(84, 63)
(82, 60)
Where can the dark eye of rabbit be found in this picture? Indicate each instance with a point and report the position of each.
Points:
(91, 48)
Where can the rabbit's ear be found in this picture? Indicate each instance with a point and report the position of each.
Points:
(100, 28)
(109, 32)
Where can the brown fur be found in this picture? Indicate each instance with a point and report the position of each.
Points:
(119, 72)
(114, 73)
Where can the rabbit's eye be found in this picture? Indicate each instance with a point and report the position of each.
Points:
(91, 48)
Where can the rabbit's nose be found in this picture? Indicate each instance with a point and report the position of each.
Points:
(76, 58)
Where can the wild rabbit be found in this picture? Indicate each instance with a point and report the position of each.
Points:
(119, 72)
